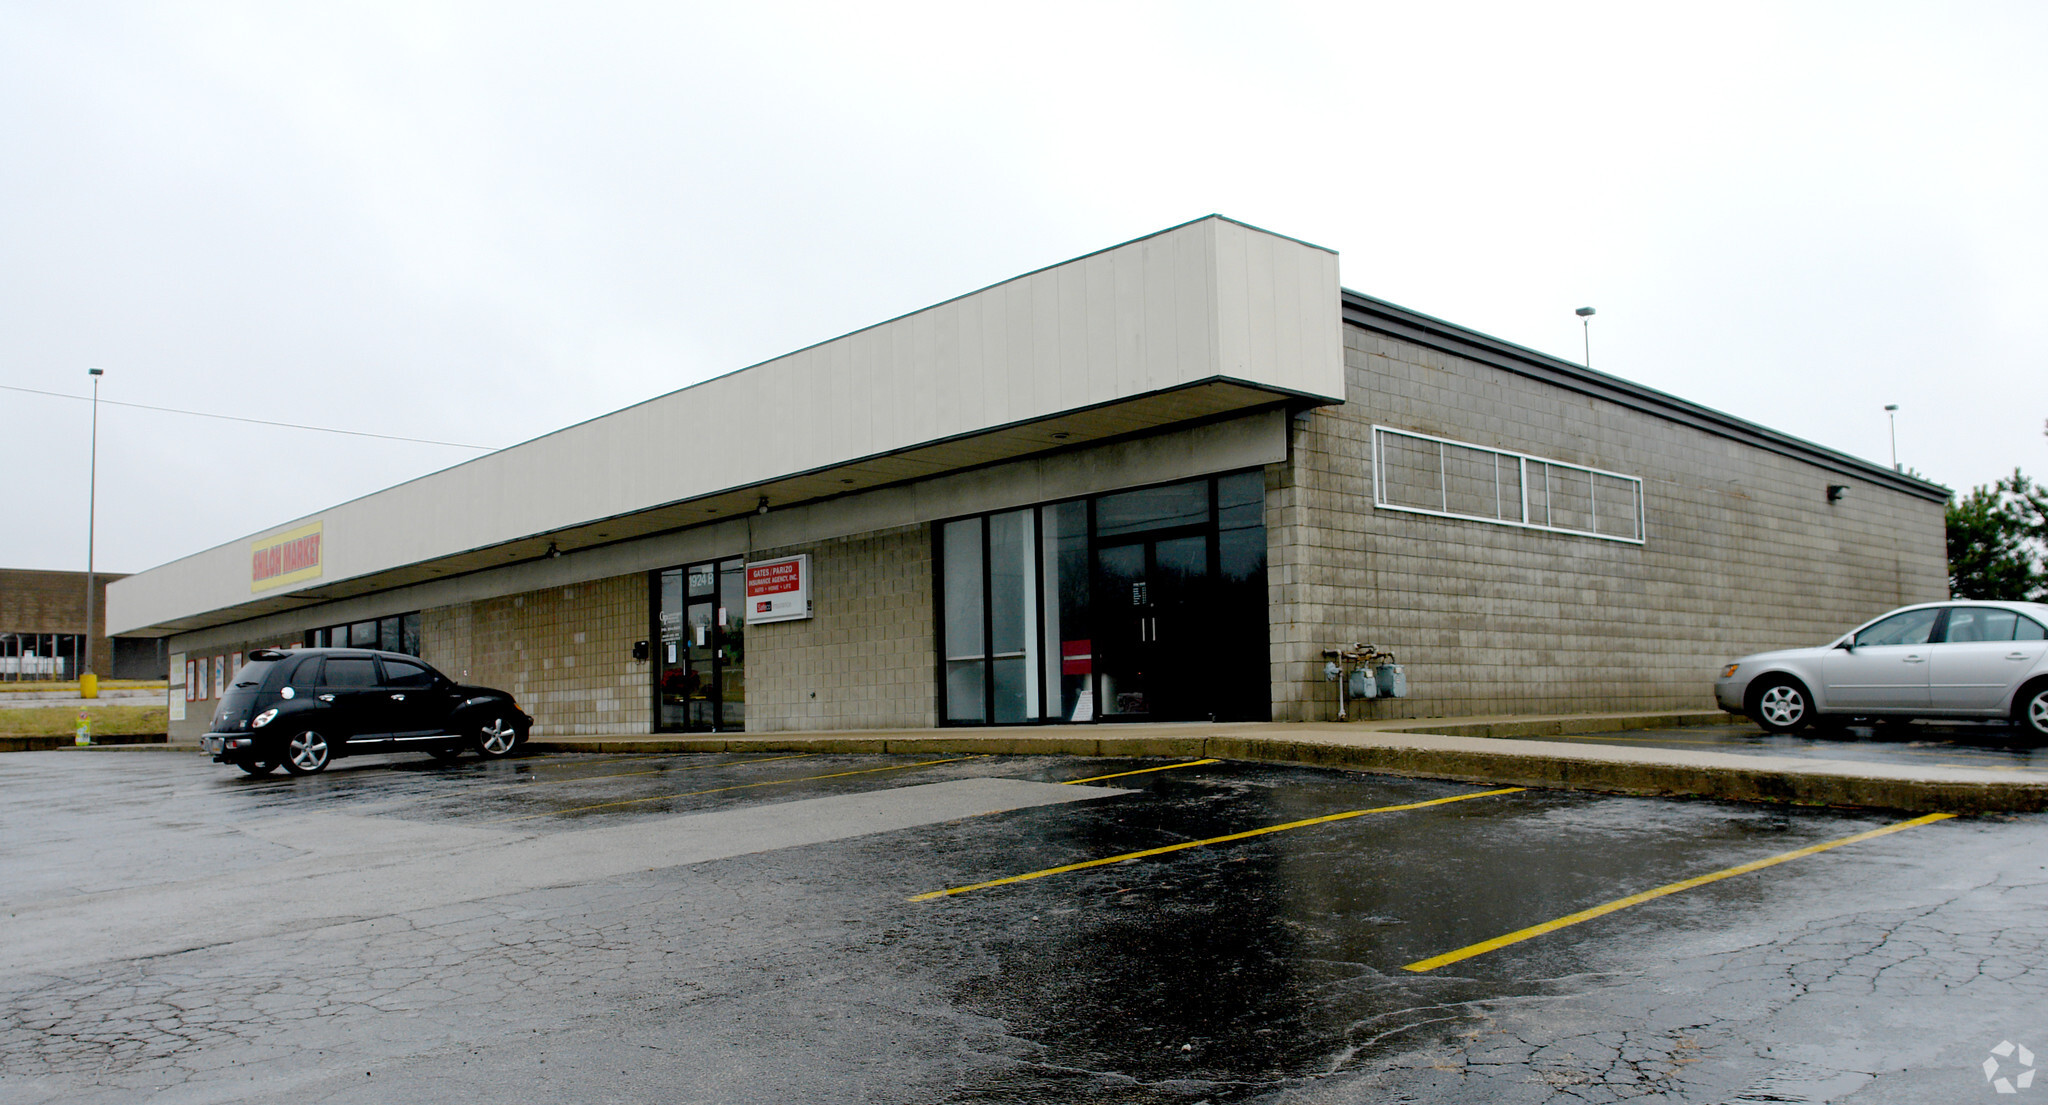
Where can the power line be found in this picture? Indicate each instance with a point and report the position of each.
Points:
(256, 421)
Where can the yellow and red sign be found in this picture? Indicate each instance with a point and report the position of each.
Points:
(285, 558)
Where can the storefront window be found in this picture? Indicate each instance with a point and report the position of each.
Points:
(1013, 599)
(1143, 604)
(393, 633)
(965, 624)
(1068, 650)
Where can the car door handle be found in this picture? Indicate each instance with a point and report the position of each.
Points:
(398, 698)
(2015, 655)
(1914, 660)
(326, 698)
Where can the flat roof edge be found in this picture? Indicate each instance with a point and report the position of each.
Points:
(1369, 313)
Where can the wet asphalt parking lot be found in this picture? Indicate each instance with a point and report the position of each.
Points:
(1996, 746)
(945, 928)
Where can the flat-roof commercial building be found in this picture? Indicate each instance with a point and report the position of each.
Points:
(1152, 483)
(43, 630)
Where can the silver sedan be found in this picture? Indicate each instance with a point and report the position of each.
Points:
(1955, 660)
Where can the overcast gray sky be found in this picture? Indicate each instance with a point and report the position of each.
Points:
(480, 222)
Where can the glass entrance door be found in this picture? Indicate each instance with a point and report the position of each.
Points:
(1151, 657)
(700, 667)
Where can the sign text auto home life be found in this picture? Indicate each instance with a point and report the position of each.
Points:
(779, 590)
(284, 558)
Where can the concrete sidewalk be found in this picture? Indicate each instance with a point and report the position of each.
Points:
(1470, 749)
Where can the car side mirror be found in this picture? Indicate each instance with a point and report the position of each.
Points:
(1846, 644)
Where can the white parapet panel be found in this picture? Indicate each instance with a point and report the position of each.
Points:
(1207, 301)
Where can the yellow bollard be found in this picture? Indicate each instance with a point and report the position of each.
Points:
(89, 685)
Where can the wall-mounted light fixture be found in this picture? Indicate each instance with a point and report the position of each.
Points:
(553, 551)
(762, 506)
(1835, 491)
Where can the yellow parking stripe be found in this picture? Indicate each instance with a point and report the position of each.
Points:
(1484, 946)
(1140, 771)
(1249, 833)
(720, 790)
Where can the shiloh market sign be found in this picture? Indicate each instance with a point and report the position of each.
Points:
(285, 558)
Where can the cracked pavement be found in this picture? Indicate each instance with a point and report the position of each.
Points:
(396, 935)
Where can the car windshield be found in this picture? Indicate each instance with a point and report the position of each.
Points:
(1912, 627)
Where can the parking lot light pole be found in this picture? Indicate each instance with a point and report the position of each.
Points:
(1891, 412)
(92, 485)
(1586, 326)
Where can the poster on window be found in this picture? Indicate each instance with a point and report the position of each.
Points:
(779, 590)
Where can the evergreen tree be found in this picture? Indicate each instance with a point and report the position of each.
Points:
(1996, 540)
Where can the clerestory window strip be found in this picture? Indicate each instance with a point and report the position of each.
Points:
(1420, 473)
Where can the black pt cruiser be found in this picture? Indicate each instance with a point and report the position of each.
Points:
(300, 708)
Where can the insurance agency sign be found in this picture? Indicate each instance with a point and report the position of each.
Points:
(285, 558)
(779, 590)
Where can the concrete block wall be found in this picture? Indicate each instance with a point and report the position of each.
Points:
(566, 653)
(1743, 553)
(866, 657)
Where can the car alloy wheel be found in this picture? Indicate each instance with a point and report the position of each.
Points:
(497, 738)
(306, 753)
(2034, 714)
(1781, 708)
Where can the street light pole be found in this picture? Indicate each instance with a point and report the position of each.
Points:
(1891, 413)
(1586, 324)
(92, 487)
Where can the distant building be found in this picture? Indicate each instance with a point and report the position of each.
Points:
(42, 630)
(1154, 483)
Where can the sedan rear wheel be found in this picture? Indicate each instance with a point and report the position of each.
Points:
(2031, 710)
(1782, 706)
(306, 753)
(496, 738)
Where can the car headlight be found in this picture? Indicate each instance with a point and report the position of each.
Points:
(1729, 671)
(264, 718)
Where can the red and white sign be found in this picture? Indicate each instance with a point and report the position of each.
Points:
(779, 590)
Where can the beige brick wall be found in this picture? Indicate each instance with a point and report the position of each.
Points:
(566, 653)
(865, 658)
(1743, 552)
